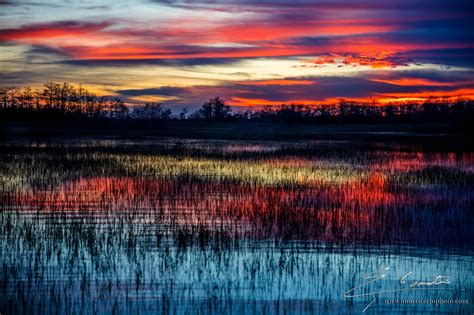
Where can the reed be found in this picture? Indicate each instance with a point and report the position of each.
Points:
(213, 227)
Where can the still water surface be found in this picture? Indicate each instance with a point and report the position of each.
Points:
(225, 227)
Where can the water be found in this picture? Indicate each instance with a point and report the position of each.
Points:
(191, 226)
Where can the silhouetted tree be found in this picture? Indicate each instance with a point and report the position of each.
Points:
(50, 94)
(182, 114)
(118, 110)
(151, 111)
(56, 101)
(65, 94)
(8, 96)
(27, 98)
(214, 109)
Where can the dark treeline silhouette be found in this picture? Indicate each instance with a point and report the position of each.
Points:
(55, 103)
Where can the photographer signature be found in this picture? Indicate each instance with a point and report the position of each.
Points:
(405, 284)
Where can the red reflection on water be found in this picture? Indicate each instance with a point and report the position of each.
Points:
(373, 205)
(320, 211)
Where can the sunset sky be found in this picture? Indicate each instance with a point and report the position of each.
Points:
(247, 51)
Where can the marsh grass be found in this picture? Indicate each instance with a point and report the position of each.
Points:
(190, 226)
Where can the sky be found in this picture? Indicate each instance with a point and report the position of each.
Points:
(249, 52)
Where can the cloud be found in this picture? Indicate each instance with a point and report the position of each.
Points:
(391, 86)
(44, 31)
(296, 29)
(375, 60)
(462, 57)
(171, 62)
(277, 82)
(186, 51)
(161, 91)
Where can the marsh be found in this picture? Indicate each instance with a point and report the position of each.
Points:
(218, 226)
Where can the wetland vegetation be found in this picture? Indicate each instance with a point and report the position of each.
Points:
(211, 226)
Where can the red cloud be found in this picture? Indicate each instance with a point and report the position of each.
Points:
(260, 38)
(51, 30)
(273, 31)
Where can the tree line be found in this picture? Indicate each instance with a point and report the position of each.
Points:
(60, 101)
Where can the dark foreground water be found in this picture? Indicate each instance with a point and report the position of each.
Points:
(173, 226)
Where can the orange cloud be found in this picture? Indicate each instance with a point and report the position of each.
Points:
(375, 100)
(467, 93)
(382, 59)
